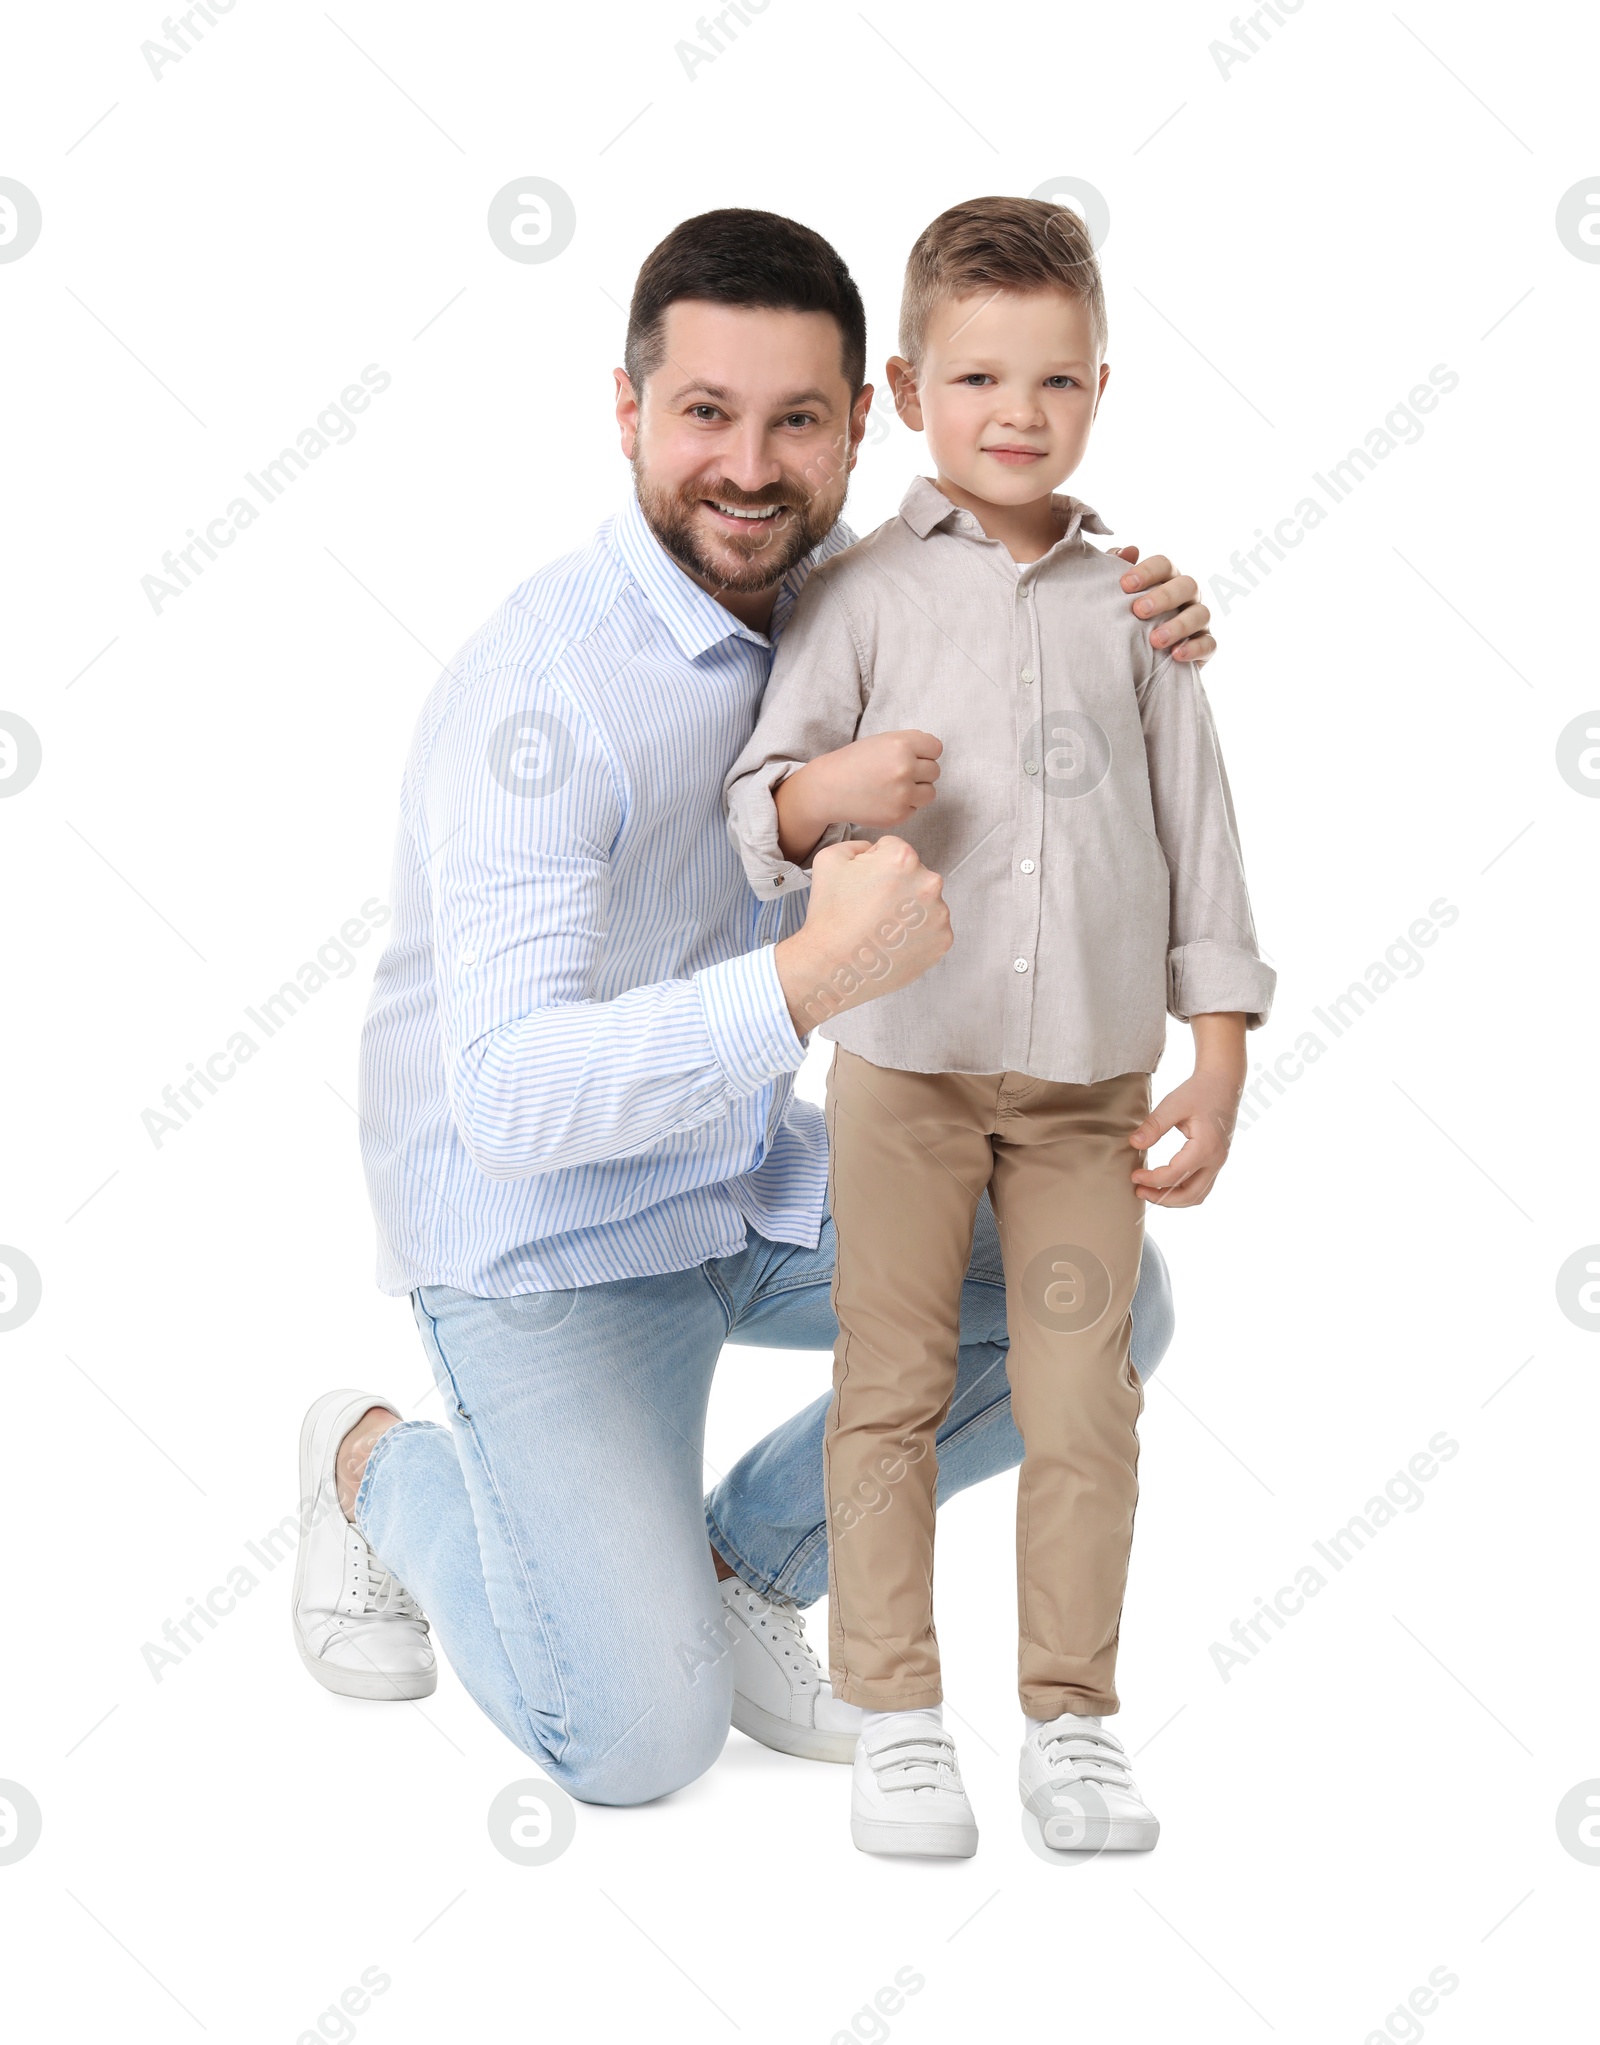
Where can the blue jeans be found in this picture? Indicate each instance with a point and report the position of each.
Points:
(555, 1532)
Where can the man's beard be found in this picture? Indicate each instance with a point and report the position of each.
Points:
(671, 514)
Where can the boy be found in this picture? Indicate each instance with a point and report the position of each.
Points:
(969, 674)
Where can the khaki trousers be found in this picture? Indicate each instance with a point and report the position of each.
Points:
(910, 1156)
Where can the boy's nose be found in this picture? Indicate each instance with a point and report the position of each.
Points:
(1020, 410)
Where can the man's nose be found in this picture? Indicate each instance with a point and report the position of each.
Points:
(750, 460)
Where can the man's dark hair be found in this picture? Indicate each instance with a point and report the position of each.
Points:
(737, 256)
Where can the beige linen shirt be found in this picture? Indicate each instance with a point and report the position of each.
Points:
(1083, 823)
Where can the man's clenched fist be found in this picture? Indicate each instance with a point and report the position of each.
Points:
(876, 920)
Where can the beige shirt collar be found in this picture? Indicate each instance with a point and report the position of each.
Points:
(925, 507)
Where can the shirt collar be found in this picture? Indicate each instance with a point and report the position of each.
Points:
(925, 507)
(692, 617)
(695, 621)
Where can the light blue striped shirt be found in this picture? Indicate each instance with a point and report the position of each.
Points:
(577, 1062)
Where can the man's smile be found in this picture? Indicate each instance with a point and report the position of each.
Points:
(754, 518)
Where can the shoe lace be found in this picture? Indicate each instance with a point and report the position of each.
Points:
(1087, 1753)
(784, 1626)
(376, 1593)
(922, 1760)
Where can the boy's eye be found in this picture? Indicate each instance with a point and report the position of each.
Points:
(1060, 383)
(977, 377)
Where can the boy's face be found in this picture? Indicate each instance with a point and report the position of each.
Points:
(1007, 391)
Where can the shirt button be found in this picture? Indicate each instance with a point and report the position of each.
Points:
(777, 880)
(1019, 965)
(1027, 674)
(1025, 589)
(1027, 866)
(1030, 766)
(469, 957)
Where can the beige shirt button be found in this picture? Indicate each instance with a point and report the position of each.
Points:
(1027, 866)
(1025, 589)
(1019, 965)
(1030, 766)
(1027, 674)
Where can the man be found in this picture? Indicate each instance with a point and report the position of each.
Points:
(586, 1161)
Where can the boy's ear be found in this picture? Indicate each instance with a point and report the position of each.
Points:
(907, 391)
(1100, 390)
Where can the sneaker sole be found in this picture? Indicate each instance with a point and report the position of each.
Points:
(1100, 1835)
(803, 1741)
(943, 1842)
(373, 1686)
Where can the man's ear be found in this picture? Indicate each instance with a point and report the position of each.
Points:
(627, 413)
(907, 391)
(858, 422)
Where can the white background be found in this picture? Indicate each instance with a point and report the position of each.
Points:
(1292, 248)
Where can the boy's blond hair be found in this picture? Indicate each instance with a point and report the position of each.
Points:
(999, 244)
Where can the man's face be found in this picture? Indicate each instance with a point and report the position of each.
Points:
(743, 440)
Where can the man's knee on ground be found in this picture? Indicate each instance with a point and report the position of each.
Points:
(663, 1728)
(667, 1744)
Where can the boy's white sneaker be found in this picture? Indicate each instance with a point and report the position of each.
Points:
(906, 1794)
(358, 1630)
(1075, 1780)
(780, 1695)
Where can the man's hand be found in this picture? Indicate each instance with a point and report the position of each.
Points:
(1162, 590)
(1205, 1108)
(875, 921)
(881, 780)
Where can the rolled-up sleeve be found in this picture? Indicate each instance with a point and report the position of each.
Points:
(812, 705)
(541, 1074)
(1214, 964)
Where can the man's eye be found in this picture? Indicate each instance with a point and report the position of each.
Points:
(799, 419)
(704, 412)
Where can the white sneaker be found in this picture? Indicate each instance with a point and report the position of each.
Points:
(1076, 1782)
(780, 1695)
(906, 1794)
(359, 1632)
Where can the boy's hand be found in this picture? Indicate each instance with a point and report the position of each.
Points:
(1205, 1108)
(1158, 588)
(881, 781)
